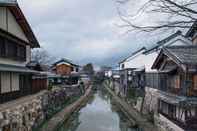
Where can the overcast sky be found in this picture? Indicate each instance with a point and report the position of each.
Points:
(81, 30)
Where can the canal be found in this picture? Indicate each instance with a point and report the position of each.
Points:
(100, 114)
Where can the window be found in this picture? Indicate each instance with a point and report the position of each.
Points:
(177, 81)
(9, 82)
(72, 68)
(122, 66)
(5, 82)
(15, 82)
(195, 82)
(2, 47)
(12, 50)
(21, 53)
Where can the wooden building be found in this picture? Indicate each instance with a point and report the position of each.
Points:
(39, 79)
(136, 72)
(16, 41)
(177, 85)
(65, 67)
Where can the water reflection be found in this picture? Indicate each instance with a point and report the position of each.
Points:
(100, 114)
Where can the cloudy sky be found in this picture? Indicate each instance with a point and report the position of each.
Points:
(81, 30)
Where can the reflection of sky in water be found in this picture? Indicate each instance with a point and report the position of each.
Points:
(98, 116)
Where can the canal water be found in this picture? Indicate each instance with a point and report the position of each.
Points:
(100, 114)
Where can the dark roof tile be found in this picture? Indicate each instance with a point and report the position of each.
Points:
(185, 54)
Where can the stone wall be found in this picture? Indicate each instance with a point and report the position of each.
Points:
(151, 106)
(27, 113)
(164, 124)
(150, 101)
(24, 116)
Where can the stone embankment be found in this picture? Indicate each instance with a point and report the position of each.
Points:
(135, 117)
(62, 116)
(28, 113)
(22, 114)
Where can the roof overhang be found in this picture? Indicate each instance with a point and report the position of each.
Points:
(13, 6)
(16, 69)
(8, 2)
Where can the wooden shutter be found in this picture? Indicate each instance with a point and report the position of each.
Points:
(5, 82)
(15, 82)
(195, 82)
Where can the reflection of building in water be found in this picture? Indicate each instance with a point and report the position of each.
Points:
(124, 123)
(71, 124)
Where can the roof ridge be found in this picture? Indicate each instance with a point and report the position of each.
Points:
(134, 53)
(180, 46)
(177, 33)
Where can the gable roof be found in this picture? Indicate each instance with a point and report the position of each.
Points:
(13, 6)
(63, 60)
(191, 32)
(161, 43)
(186, 55)
(133, 54)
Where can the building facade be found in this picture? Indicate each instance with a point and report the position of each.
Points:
(16, 41)
(177, 82)
(65, 67)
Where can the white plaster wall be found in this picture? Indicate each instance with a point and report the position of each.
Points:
(8, 23)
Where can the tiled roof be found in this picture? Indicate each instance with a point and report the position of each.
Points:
(66, 61)
(191, 32)
(164, 41)
(185, 54)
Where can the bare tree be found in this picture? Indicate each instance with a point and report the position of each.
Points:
(42, 56)
(179, 14)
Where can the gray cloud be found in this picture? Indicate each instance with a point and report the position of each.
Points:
(81, 30)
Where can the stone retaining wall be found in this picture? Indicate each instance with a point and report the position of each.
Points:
(27, 113)
(150, 101)
(24, 116)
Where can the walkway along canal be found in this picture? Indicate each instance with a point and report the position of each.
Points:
(100, 114)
